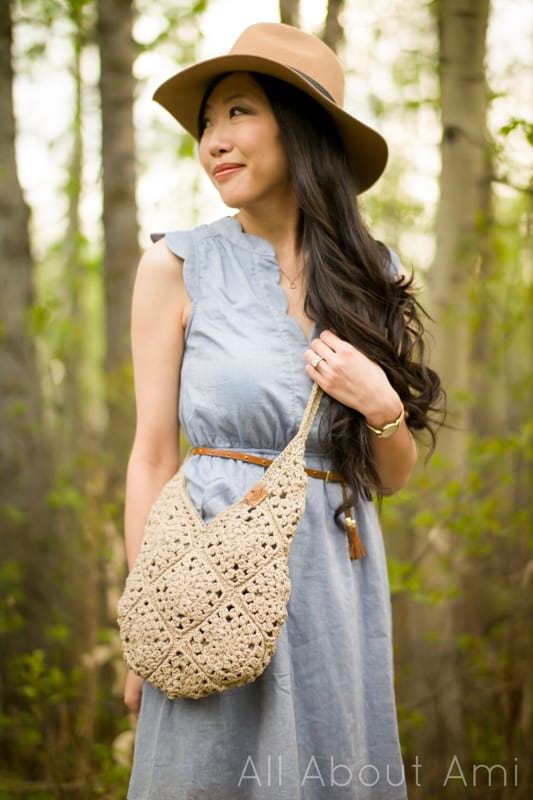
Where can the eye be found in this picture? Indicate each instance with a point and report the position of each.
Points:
(237, 108)
(205, 120)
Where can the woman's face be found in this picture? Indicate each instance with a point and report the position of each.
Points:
(239, 127)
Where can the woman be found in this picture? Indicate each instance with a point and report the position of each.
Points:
(237, 318)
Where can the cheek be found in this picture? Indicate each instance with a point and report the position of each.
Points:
(247, 142)
(258, 142)
(202, 153)
(281, 156)
(276, 164)
(270, 157)
(276, 155)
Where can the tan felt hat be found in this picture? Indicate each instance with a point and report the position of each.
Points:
(297, 57)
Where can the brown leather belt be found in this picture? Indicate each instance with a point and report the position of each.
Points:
(327, 475)
(356, 547)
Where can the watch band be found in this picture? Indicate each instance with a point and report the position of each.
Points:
(388, 429)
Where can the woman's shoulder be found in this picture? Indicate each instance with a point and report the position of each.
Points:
(158, 257)
(395, 261)
(181, 251)
(184, 238)
(396, 268)
(179, 242)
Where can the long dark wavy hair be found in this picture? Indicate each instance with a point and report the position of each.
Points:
(350, 287)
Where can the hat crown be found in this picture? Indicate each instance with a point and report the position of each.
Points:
(297, 49)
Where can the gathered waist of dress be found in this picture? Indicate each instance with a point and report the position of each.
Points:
(261, 451)
(256, 457)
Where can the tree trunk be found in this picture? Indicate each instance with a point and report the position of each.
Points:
(289, 12)
(333, 31)
(25, 452)
(462, 205)
(71, 420)
(121, 257)
(121, 246)
(460, 239)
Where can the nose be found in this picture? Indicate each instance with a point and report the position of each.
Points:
(219, 144)
(219, 140)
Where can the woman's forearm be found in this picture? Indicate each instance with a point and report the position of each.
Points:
(395, 457)
(144, 481)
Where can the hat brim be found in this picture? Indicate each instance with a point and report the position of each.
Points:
(182, 94)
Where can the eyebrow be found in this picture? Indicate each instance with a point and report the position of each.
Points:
(228, 99)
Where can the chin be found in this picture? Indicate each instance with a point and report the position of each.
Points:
(234, 200)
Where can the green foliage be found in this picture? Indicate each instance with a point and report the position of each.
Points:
(42, 684)
(64, 495)
(11, 619)
(186, 146)
(13, 513)
(476, 512)
(111, 780)
(404, 577)
(43, 722)
(522, 125)
(474, 533)
(39, 705)
(409, 720)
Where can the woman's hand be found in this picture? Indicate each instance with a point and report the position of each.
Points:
(133, 691)
(358, 382)
(352, 378)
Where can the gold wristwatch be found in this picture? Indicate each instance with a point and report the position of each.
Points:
(388, 429)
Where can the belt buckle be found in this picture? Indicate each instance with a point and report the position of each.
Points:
(327, 475)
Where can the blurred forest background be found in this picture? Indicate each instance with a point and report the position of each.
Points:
(89, 166)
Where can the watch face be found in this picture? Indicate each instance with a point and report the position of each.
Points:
(389, 431)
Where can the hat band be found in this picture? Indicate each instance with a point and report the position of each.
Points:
(316, 84)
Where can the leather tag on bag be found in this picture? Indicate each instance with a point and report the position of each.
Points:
(256, 494)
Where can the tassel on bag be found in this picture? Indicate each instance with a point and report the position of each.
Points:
(356, 546)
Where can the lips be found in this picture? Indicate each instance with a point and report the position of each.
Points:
(223, 168)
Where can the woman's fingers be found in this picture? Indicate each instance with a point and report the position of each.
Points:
(133, 691)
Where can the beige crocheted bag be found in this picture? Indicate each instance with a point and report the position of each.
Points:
(204, 603)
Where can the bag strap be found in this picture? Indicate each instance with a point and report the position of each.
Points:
(309, 414)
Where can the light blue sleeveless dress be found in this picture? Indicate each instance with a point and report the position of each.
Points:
(320, 722)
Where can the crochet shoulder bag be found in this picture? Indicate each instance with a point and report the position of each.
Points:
(204, 603)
